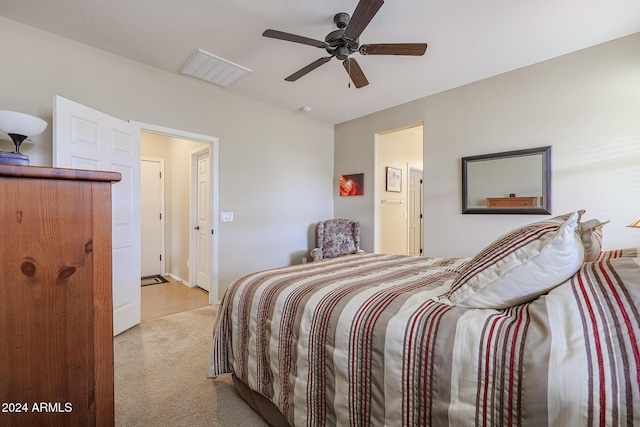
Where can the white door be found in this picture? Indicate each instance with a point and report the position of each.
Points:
(203, 221)
(151, 217)
(84, 138)
(415, 212)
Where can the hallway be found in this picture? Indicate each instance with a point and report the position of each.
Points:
(169, 298)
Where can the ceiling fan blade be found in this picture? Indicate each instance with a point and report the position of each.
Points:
(280, 35)
(364, 13)
(412, 49)
(301, 72)
(355, 72)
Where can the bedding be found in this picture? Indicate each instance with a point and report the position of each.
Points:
(521, 264)
(371, 340)
(590, 233)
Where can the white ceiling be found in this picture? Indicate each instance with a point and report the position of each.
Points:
(468, 40)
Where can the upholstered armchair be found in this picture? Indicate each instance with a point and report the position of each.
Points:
(336, 237)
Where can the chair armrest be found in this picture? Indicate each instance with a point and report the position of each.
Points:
(316, 254)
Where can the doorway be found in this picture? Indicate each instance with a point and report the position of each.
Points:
(176, 148)
(77, 136)
(398, 209)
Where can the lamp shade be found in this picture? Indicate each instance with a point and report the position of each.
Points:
(635, 224)
(21, 124)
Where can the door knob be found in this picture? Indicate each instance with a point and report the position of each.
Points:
(197, 227)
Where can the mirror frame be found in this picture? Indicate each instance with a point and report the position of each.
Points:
(545, 209)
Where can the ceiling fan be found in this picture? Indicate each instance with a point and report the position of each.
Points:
(344, 41)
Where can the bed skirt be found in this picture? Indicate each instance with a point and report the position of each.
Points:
(260, 404)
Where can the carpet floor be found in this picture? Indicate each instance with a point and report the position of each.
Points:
(160, 376)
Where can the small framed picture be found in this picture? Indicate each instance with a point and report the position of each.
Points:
(352, 185)
(394, 179)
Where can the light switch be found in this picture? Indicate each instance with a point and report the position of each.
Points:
(226, 216)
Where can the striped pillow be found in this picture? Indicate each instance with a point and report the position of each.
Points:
(520, 265)
(590, 233)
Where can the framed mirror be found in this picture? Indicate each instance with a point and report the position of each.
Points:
(511, 182)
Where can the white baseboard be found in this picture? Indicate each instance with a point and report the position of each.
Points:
(178, 279)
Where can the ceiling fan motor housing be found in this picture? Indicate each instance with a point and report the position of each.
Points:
(339, 46)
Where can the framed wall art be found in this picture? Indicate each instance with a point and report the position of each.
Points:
(352, 185)
(394, 179)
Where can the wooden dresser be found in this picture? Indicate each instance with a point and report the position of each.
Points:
(512, 202)
(56, 339)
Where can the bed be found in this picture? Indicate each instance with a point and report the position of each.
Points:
(540, 328)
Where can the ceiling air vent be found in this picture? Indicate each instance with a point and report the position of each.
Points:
(208, 67)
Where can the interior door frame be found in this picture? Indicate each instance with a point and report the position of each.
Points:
(163, 265)
(214, 294)
(416, 168)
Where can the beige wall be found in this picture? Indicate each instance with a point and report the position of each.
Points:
(585, 104)
(275, 166)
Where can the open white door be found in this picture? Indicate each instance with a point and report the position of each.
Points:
(203, 228)
(84, 138)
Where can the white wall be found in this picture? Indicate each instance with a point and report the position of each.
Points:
(276, 166)
(585, 104)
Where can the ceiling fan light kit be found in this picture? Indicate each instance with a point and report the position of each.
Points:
(344, 41)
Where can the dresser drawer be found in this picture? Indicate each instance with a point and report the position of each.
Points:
(512, 202)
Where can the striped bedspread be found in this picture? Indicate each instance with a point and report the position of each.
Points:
(363, 341)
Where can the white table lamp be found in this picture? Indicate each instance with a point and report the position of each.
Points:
(19, 126)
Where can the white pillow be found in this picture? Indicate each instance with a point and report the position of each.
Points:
(520, 265)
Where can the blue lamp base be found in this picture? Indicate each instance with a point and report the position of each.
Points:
(13, 159)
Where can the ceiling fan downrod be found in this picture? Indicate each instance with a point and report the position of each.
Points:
(341, 20)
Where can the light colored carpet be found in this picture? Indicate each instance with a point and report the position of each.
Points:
(160, 376)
